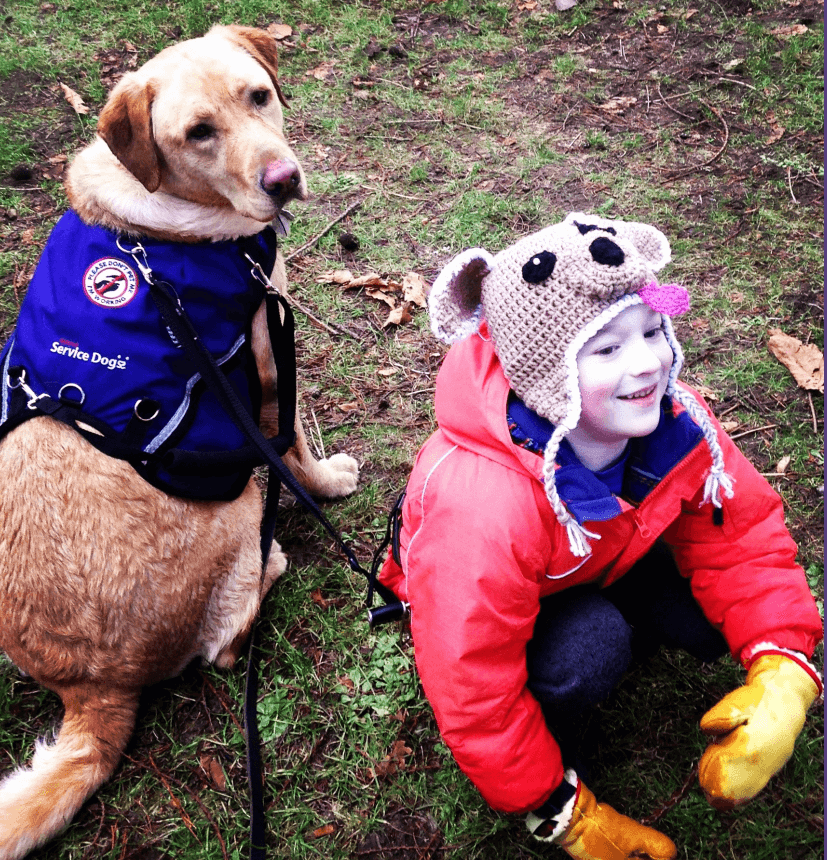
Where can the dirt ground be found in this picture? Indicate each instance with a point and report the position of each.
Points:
(630, 56)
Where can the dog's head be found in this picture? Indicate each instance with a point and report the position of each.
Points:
(202, 121)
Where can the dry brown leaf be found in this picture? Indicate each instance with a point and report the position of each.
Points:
(777, 130)
(782, 465)
(214, 771)
(415, 289)
(280, 31)
(398, 316)
(320, 72)
(707, 393)
(75, 101)
(325, 830)
(346, 682)
(340, 276)
(382, 296)
(789, 31)
(619, 104)
(804, 361)
(386, 371)
(318, 599)
(372, 279)
(729, 426)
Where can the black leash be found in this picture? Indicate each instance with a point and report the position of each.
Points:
(183, 331)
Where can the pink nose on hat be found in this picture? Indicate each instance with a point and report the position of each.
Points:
(281, 179)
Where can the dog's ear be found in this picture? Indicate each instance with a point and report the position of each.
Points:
(454, 303)
(125, 124)
(262, 47)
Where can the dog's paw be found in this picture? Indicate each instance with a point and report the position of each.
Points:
(337, 476)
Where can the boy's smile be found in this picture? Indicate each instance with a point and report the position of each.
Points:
(622, 376)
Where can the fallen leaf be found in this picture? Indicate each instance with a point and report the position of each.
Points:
(563, 5)
(372, 279)
(729, 426)
(415, 289)
(382, 296)
(280, 31)
(318, 599)
(782, 465)
(777, 130)
(707, 393)
(325, 830)
(320, 72)
(619, 104)
(398, 316)
(393, 762)
(789, 31)
(386, 371)
(804, 361)
(346, 682)
(340, 276)
(349, 407)
(74, 100)
(214, 771)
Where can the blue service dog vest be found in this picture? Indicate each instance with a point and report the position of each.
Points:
(89, 334)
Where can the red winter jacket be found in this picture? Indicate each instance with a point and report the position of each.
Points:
(480, 545)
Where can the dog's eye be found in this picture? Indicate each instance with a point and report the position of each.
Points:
(201, 131)
(260, 97)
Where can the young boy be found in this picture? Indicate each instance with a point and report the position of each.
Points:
(575, 504)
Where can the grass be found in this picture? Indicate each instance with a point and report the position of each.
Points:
(465, 124)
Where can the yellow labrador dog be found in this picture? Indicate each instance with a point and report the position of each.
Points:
(108, 584)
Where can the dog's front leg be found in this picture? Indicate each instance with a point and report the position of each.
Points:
(331, 478)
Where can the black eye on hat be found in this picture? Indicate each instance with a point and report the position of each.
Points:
(539, 267)
(606, 252)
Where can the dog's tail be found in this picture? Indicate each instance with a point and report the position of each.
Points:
(37, 801)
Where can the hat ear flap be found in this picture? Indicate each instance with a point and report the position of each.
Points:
(454, 303)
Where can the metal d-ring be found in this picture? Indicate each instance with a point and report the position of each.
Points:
(78, 388)
(140, 417)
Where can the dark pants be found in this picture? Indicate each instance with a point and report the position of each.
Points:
(585, 638)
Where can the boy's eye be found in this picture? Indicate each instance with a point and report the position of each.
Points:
(606, 350)
(653, 332)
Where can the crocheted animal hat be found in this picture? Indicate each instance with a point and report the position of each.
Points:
(543, 298)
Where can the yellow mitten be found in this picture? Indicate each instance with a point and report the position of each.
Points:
(598, 832)
(754, 729)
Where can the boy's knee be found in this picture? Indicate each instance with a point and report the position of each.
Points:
(580, 649)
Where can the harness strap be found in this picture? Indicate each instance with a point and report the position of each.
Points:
(183, 331)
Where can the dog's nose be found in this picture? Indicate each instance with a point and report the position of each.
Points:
(281, 179)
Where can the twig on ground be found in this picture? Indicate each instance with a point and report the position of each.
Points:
(332, 328)
(188, 823)
(713, 158)
(673, 799)
(790, 186)
(753, 430)
(352, 208)
(813, 413)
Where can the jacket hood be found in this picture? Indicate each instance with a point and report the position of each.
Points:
(470, 404)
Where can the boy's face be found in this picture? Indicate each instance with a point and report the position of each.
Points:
(622, 374)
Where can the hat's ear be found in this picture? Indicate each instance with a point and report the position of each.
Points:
(454, 301)
(650, 242)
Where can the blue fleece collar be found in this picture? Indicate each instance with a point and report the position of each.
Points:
(594, 497)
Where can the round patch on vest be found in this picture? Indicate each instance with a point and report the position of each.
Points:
(110, 283)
